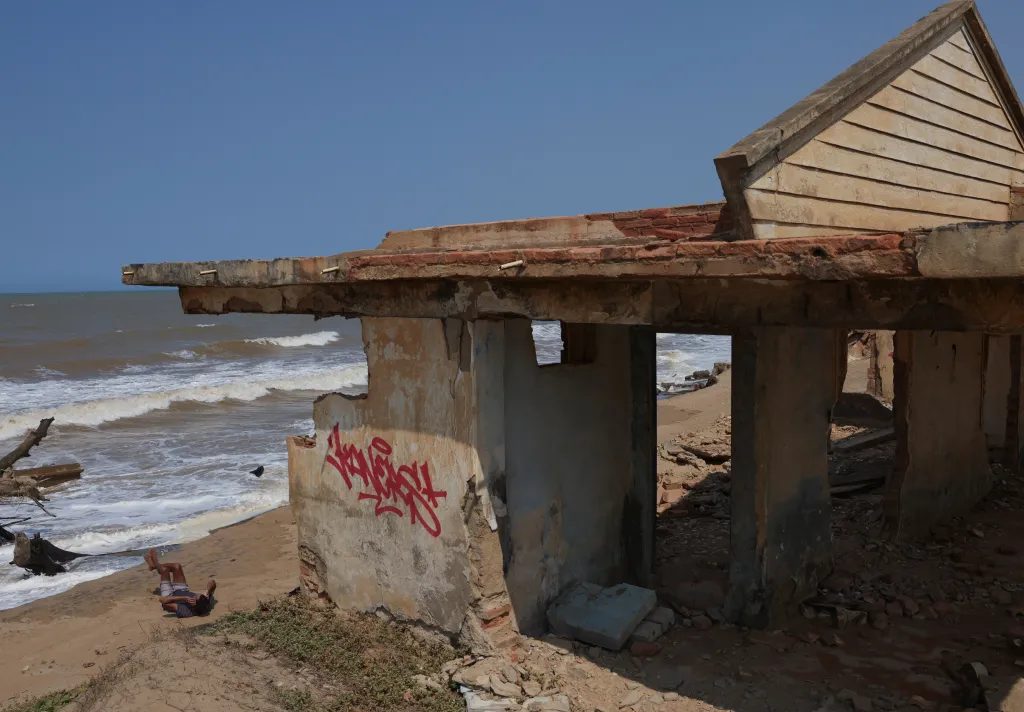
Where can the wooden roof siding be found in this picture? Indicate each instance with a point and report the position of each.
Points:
(925, 131)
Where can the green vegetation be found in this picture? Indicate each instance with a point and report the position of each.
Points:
(368, 663)
(47, 703)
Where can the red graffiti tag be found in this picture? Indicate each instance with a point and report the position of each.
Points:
(391, 488)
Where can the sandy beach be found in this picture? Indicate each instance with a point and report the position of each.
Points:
(62, 640)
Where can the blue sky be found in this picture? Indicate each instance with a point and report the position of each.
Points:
(139, 132)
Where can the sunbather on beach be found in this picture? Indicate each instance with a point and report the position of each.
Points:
(175, 597)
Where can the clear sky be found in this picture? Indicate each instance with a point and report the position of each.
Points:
(141, 132)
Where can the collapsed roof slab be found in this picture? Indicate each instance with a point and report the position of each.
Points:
(690, 306)
(965, 250)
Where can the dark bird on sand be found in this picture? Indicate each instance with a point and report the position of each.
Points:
(258, 471)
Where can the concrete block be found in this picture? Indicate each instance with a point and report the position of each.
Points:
(601, 616)
(647, 632)
(663, 616)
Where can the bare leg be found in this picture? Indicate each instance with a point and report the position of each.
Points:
(151, 559)
(171, 572)
(211, 586)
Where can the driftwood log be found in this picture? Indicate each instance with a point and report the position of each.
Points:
(30, 441)
(40, 556)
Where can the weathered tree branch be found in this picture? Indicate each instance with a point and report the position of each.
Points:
(40, 556)
(30, 441)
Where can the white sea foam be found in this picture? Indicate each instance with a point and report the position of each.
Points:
(49, 372)
(105, 410)
(109, 542)
(21, 305)
(16, 590)
(320, 338)
(184, 355)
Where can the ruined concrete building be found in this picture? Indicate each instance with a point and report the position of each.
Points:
(470, 486)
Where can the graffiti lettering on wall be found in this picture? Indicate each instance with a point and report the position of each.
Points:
(394, 490)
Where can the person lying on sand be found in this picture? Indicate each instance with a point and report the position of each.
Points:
(174, 594)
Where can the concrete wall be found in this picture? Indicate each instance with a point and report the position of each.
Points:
(570, 469)
(379, 499)
(540, 477)
(941, 464)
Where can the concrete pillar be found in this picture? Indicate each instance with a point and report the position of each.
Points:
(941, 464)
(780, 541)
(997, 390)
(1003, 400)
(880, 375)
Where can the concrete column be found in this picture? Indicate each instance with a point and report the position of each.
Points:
(1003, 400)
(780, 542)
(941, 465)
(997, 390)
(642, 501)
(880, 377)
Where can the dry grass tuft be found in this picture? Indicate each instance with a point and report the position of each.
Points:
(366, 661)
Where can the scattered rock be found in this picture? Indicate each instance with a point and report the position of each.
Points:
(878, 621)
(505, 689)
(555, 703)
(632, 697)
(859, 702)
(663, 616)
(646, 632)
(531, 688)
(1000, 596)
(893, 609)
(701, 623)
(644, 649)
(85, 665)
(909, 605)
(1007, 550)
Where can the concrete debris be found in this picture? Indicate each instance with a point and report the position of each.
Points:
(504, 689)
(601, 616)
(646, 632)
(554, 703)
(477, 703)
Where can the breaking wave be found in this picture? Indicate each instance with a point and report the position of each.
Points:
(320, 338)
(104, 410)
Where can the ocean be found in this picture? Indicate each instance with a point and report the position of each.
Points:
(168, 413)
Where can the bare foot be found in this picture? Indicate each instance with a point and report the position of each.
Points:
(211, 586)
(151, 560)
